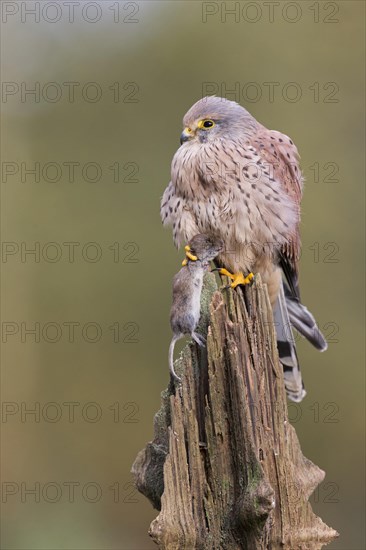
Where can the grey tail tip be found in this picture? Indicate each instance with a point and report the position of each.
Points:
(296, 397)
(303, 321)
(324, 347)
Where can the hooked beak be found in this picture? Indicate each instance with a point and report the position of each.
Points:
(186, 135)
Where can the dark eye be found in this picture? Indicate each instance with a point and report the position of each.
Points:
(206, 124)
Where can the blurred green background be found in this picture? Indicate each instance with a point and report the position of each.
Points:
(161, 54)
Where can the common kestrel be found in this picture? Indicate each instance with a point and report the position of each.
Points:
(237, 180)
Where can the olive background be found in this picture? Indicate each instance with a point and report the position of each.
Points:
(162, 62)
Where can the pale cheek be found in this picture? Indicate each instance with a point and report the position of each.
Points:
(209, 136)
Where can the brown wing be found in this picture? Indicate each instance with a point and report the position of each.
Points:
(281, 155)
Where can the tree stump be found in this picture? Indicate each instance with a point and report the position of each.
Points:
(225, 467)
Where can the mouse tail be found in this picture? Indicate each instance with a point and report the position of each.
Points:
(171, 358)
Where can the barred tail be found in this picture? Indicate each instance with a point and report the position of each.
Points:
(304, 322)
(286, 349)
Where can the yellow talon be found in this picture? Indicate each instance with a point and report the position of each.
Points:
(237, 278)
(189, 255)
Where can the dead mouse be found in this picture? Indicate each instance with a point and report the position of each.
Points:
(187, 287)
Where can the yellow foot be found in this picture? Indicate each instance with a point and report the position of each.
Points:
(189, 255)
(237, 278)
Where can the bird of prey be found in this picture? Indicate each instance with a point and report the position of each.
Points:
(235, 179)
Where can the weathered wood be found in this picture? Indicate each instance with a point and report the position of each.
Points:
(225, 468)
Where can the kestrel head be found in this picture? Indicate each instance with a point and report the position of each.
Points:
(215, 117)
